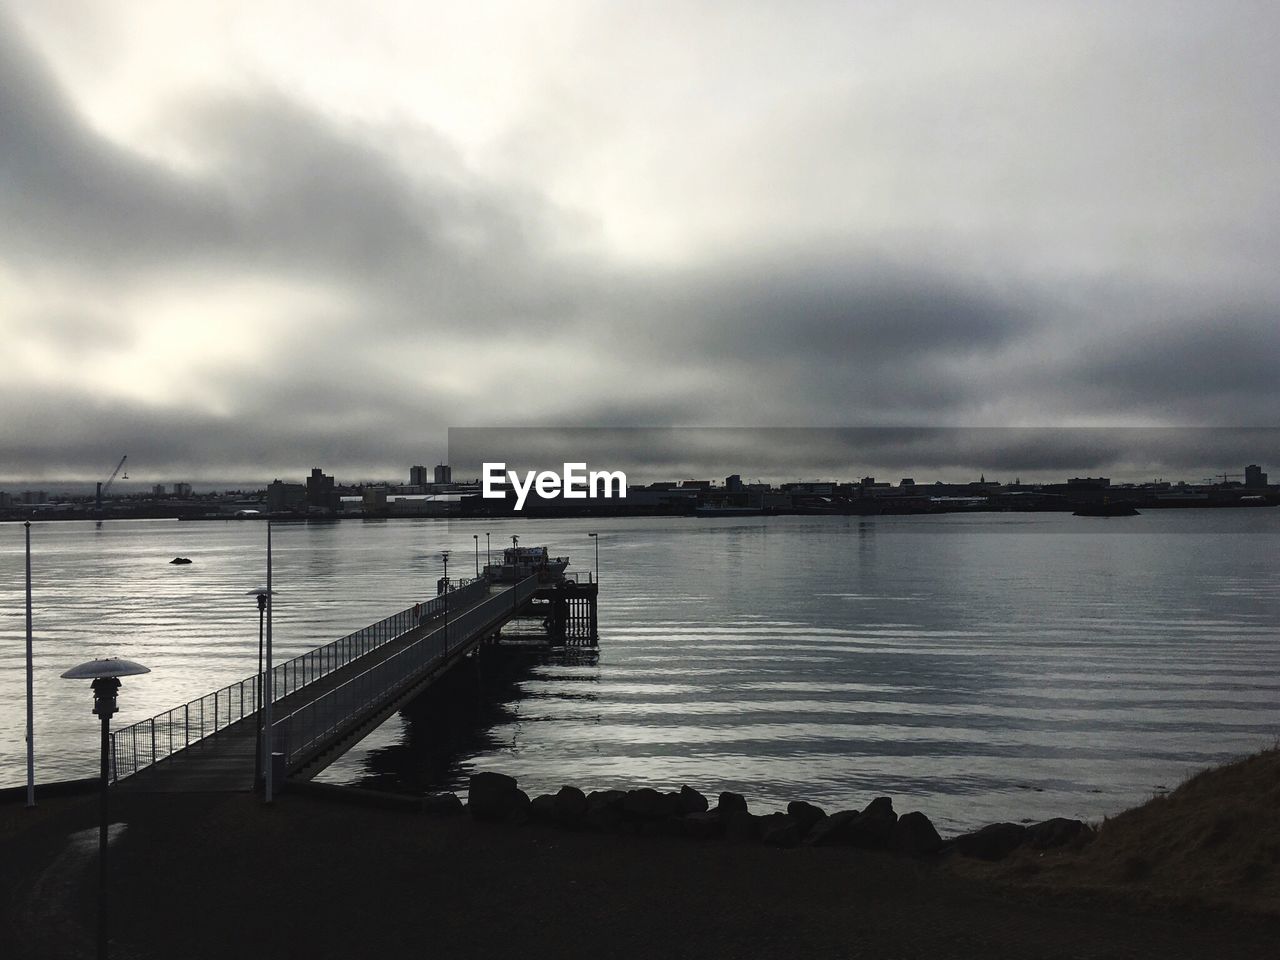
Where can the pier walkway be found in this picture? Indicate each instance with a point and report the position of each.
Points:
(324, 701)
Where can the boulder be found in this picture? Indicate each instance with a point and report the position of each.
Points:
(542, 809)
(517, 807)
(732, 803)
(691, 801)
(644, 804)
(570, 805)
(740, 826)
(873, 828)
(805, 814)
(779, 830)
(993, 842)
(827, 831)
(606, 800)
(914, 835)
(604, 809)
(704, 825)
(489, 795)
(1059, 832)
(442, 805)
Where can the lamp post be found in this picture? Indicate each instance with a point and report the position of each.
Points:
(105, 675)
(596, 538)
(270, 693)
(476, 538)
(261, 593)
(487, 557)
(444, 555)
(31, 706)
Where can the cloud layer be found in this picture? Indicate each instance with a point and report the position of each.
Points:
(725, 216)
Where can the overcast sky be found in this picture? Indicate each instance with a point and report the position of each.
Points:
(241, 239)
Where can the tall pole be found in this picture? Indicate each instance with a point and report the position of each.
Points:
(596, 538)
(445, 557)
(271, 692)
(31, 708)
(102, 834)
(476, 538)
(257, 753)
(487, 557)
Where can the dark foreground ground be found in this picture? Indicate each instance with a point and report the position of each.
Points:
(223, 876)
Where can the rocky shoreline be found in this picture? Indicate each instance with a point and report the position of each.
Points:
(497, 798)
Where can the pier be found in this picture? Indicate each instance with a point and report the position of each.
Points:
(328, 699)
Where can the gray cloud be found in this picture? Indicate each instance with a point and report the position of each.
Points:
(451, 297)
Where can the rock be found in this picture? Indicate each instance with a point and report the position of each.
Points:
(180, 560)
(517, 807)
(644, 804)
(570, 805)
(914, 835)
(442, 805)
(1059, 832)
(993, 842)
(704, 825)
(732, 803)
(827, 831)
(691, 801)
(542, 809)
(606, 800)
(805, 814)
(489, 795)
(604, 809)
(779, 830)
(740, 826)
(873, 828)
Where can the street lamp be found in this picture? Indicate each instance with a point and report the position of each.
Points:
(261, 593)
(487, 558)
(596, 538)
(105, 675)
(444, 555)
(476, 538)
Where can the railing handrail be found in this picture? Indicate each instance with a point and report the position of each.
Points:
(313, 665)
(300, 729)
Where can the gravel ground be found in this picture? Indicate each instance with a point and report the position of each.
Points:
(200, 875)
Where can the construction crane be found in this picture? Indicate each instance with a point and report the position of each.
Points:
(103, 488)
(1223, 477)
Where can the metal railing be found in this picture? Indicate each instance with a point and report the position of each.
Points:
(138, 746)
(305, 730)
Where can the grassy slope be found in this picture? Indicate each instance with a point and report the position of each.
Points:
(1213, 842)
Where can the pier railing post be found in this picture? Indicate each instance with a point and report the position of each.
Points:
(153, 740)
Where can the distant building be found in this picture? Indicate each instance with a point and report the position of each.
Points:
(321, 491)
(907, 482)
(6, 500)
(34, 496)
(182, 490)
(159, 491)
(733, 483)
(374, 499)
(282, 497)
(1089, 483)
(1254, 477)
(443, 473)
(417, 476)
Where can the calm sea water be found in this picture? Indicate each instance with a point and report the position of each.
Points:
(976, 667)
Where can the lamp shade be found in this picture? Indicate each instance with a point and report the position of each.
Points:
(260, 592)
(110, 667)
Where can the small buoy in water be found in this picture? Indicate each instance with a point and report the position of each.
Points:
(179, 560)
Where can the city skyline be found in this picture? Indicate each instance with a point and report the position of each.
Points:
(239, 239)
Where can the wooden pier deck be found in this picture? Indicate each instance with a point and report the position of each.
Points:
(330, 698)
